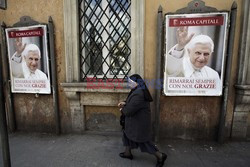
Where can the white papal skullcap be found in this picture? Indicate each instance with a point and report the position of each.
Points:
(31, 47)
(200, 39)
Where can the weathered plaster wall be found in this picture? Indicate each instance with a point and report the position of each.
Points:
(183, 117)
(36, 113)
(102, 118)
(101, 112)
(188, 117)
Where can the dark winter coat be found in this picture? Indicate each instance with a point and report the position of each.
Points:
(137, 117)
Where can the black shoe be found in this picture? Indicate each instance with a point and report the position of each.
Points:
(160, 163)
(122, 155)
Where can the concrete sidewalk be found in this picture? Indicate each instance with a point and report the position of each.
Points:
(89, 150)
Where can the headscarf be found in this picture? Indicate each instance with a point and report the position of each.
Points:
(141, 85)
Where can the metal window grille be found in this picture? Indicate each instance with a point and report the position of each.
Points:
(104, 39)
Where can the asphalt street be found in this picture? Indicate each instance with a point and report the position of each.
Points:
(91, 150)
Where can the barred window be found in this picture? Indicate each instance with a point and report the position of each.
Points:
(104, 38)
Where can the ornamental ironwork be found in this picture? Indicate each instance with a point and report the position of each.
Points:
(104, 39)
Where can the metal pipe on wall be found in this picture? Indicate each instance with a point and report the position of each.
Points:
(221, 133)
(7, 86)
(3, 123)
(54, 75)
(158, 71)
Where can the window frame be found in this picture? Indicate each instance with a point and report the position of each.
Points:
(105, 54)
(71, 39)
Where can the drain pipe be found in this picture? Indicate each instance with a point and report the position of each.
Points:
(54, 75)
(3, 123)
(7, 86)
(158, 72)
(221, 133)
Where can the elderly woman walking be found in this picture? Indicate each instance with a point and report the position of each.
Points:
(137, 130)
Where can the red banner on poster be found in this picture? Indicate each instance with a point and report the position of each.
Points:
(26, 33)
(197, 21)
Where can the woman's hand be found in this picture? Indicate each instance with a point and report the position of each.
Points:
(121, 104)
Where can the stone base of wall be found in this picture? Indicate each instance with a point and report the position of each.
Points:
(94, 109)
(241, 119)
(240, 125)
